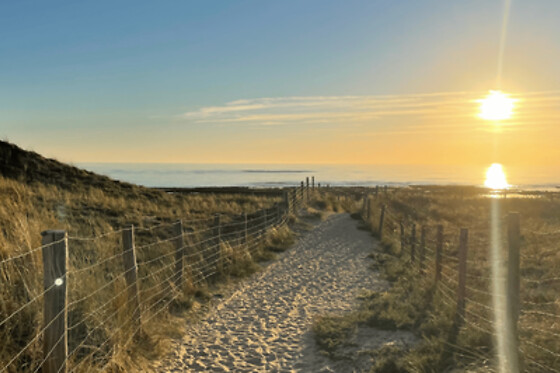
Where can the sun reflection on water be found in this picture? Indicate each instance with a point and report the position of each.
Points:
(496, 177)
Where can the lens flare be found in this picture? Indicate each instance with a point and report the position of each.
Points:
(496, 106)
(495, 177)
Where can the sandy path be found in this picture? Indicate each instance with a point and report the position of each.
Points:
(265, 325)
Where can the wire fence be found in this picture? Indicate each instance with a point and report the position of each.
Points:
(99, 292)
(476, 283)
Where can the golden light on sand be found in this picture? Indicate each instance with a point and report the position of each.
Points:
(496, 106)
(495, 177)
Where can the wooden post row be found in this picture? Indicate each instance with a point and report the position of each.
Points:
(462, 275)
(131, 275)
(381, 219)
(55, 337)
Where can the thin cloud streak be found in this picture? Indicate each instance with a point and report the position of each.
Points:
(421, 109)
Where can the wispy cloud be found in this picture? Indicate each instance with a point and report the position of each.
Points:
(459, 108)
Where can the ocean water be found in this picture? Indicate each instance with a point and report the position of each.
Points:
(275, 175)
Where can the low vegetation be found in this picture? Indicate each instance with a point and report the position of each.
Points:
(416, 302)
(37, 194)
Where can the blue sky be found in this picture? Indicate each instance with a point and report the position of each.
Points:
(116, 80)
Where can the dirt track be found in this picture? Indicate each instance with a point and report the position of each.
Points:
(265, 325)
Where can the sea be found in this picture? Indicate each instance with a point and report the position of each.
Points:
(281, 175)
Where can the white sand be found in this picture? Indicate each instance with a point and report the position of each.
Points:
(265, 325)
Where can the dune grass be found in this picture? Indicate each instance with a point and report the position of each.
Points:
(417, 303)
(38, 194)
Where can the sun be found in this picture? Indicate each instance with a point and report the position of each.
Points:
(495, 177)
(496, 106)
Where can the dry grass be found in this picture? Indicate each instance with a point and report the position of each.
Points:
(37, 194)
(416, 303)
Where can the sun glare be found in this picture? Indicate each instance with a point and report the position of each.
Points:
(495, 177)
(496, 106)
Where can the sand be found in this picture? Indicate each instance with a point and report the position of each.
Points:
(265, 326)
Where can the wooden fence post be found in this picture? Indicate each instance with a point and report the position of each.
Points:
(422, 248)
(217, 230)
(313, 182)
(246, 228)
(131, 275)
(55, 337)
(179, 253)
(307, 188)
(286, 198)
(512, 300)
(439, 249)
(413, 243)
(402, 237)
(368, 207)
(462, 280)
(381, 219)
(302, 193)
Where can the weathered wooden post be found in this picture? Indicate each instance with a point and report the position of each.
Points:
(512, 300)
(301, 192)
(439, 249)
(462, 280)
(381, 219)
(217, 232)
(246, 229)
(55, 337)
(179, 253)
(313, 182)
(217, 228)
(368, 208)
(413, 243)
(402, 237)
(286, 198)
(307, 188)
(422, 248)
(131, 275)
